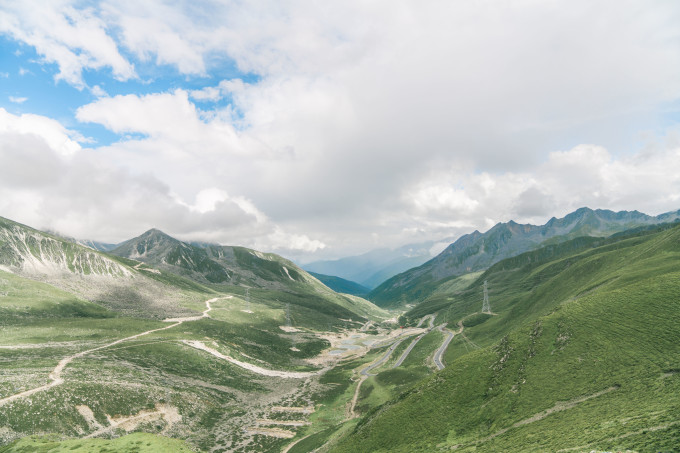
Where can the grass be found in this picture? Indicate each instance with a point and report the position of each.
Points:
(582, 352)
(24, 298)
(41, 325)
(48, 324)
(568, 329)
(133, 443)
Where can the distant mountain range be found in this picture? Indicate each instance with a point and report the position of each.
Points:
(372, 268)
(580, 327)
(476, 251)
(341, 285)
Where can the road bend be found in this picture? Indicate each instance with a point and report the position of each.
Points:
(383, 359)
(365, 373)
(442, 349)
(422, 320)
(407, 351)
(415, 340)
(55, 375)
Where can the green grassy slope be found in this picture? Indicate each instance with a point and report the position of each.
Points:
(133, 443)
(583, 354)
(40, 325)
(477, 251)
(233, 269)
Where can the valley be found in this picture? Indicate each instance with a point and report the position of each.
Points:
(339, 227)
(164, 357)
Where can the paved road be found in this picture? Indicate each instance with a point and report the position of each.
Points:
(382, 360)
(440, 352)
(416, 339)
(408, 350)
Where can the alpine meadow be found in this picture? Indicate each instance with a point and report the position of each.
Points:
(339, 227)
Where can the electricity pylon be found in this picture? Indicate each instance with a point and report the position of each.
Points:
(486, 308)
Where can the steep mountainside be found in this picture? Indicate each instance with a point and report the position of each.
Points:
(96, 245)
(477, 251)
(341, 285)
(374, 267)
(32, 252)
(213, 263)
(88, 273)
(581, 353)
(151, 276)
(225, 267)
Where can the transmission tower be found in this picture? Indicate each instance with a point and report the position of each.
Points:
(486, 308)
(248, 299)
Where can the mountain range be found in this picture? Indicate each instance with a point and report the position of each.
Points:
(140, 276)
(477, 251)
(560, 337)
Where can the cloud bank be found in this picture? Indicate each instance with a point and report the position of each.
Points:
(348, 125)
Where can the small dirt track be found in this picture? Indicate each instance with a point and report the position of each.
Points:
(55, 375)
(250, 366)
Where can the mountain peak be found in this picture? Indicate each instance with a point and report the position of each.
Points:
(154, 232)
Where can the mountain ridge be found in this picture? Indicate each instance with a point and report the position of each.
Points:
(581, 341)
(476, 251)
(211, 263)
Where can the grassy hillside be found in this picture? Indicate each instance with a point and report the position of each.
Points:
(133, 443)
(212, 400)
(233, 269)
(478, 251)
(83, 351)
(582, 354)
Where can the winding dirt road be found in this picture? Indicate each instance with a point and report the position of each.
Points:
(55, 375)
(250, 366)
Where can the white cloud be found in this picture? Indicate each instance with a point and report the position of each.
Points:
(206, 94)
(161, 31)
(75, 39)
(585, 175)
(17, 100)
(154, 114)
(280, 240)
(372, 122)
(98, 91)
(63, 141)
(44, 182)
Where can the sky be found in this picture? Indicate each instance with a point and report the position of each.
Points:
(326, 129)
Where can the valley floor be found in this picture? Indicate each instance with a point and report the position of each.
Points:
(101, 383)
